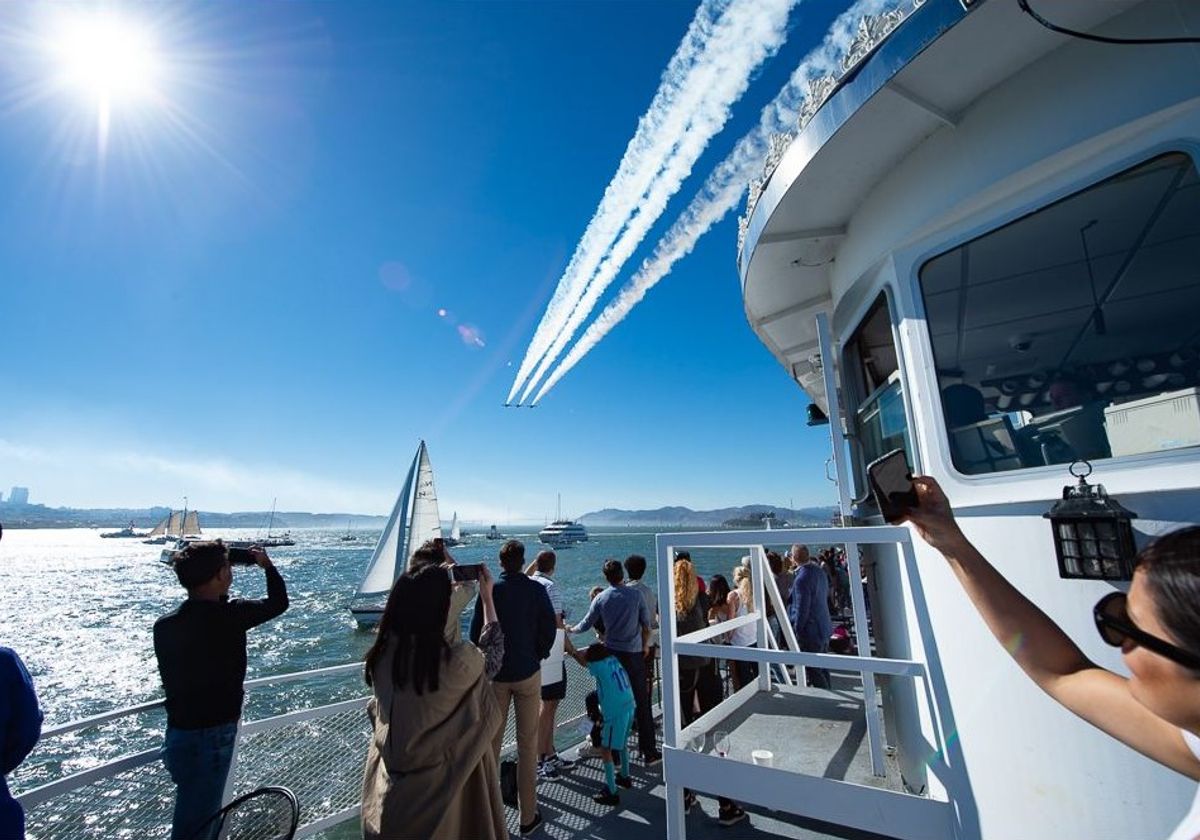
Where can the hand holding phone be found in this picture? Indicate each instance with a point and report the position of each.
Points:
(462, 573)
(892, 485)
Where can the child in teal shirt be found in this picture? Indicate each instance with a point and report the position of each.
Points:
(617, 707)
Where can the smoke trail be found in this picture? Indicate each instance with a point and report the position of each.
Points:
(685, 87)
(724, 187)
(745, 37)
(641, 160)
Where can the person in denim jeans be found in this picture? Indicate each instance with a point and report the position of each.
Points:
(201, 652)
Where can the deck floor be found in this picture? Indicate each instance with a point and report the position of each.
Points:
(809, 731)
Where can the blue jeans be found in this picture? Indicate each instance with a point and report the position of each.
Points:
(198, 761)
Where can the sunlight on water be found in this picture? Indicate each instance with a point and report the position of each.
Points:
(80, 611)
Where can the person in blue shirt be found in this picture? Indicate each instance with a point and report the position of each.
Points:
(617, 706)
(627, 626)
(20, 727)
(809, 615)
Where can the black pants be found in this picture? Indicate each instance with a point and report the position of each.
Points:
(635, 667)
(689, 693)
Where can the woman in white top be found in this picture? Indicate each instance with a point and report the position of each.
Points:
(741, 602)
(1156, 711)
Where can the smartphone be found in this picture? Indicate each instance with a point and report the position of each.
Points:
(240, 557)
(469, 571)
(891, 483)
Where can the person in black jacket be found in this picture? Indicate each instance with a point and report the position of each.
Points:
(201, 651)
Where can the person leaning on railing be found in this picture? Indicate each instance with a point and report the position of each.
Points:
(201, 652)
(430, 770)
(1156, 710)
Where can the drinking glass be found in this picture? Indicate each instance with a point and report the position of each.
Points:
(721, 743)
(697, 743)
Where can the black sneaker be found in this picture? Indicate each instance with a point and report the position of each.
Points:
(533, 825)
(624, 781)
(605, 797)
(546, 771)
(731, 816)
(652, 758)
(559, 763)
(689, 802)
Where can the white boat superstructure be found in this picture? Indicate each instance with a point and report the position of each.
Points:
(413, 521)
(978, 246)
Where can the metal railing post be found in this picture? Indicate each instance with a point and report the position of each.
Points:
(758, 570)
(669, 686)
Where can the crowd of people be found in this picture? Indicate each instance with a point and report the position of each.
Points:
(428, 773)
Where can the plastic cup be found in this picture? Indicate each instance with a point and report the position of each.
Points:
(763, 758)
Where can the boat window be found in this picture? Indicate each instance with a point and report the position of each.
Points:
(1072, 332)
(880, 422)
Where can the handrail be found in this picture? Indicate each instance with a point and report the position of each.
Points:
(151, 705)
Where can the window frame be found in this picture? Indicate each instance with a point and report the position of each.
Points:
(1064, 187)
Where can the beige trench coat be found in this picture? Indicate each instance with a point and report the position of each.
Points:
(430, 771)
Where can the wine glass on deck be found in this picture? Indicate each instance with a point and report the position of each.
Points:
(697, 742)
(721, 743)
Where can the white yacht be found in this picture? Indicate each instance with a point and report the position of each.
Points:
(563, 533)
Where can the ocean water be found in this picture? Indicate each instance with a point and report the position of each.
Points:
(80, 610)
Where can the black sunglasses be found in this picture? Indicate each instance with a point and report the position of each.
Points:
(1115, 626)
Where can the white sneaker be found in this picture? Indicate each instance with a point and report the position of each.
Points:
(590, 751)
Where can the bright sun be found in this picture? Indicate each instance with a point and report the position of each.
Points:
(110, 60)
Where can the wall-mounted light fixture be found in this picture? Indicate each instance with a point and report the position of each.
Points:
(1093, 537)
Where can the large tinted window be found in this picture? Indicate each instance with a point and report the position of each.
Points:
(1073, 332)
(880, 421)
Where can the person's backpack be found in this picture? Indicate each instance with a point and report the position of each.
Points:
(508, 783)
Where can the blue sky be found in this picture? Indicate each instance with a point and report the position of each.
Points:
(241, 298)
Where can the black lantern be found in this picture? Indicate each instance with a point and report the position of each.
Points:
(1093, 537)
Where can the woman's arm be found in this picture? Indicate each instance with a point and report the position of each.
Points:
(1041, 648)
(491, 637)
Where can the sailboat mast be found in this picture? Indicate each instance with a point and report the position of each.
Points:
(271, 521)
(183, 522)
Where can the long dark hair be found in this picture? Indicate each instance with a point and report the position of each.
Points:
(414, 620)
(1172, 567)
(718, 591)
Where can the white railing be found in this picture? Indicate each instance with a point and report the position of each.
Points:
(893, 813)
(316, 752)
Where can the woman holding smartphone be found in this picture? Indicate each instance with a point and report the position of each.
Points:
(430, 769)
(1156, 710)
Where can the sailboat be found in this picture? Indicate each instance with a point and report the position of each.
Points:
(348, 537)
(455, 537)
(272, 541)
(174, 527)
(414, 519)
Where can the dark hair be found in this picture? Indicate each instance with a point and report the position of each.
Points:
(595, 652)
(546, 561)
(512, 556)
(682, 554)
(775, 562)
(1171, 564)
(635, 566)
(197, 563)
(613, 572)
(718, 590)
(429, 554)
(414, 621)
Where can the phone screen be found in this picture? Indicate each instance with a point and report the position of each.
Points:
(470, 571)
(891, 483)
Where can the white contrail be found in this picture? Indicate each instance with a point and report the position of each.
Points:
(724, 187)
(656, 132)
(685, 87)
(751, 31)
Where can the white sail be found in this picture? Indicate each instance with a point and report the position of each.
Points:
(191, 524)
(455, 534)
(426, 522)
(414, 520)
(175, 525)
(161, 527)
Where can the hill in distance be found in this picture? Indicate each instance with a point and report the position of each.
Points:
(683, 517)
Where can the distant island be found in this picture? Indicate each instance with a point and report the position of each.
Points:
(746, 516)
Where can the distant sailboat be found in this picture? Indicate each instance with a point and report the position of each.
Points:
(176, 526)
(125, 533)
(455, 537)
(414, 519)
(348, 537)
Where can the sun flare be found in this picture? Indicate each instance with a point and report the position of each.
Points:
(110, 60)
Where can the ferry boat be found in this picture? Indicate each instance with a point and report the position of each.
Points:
(979, 198)
(563, 533)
